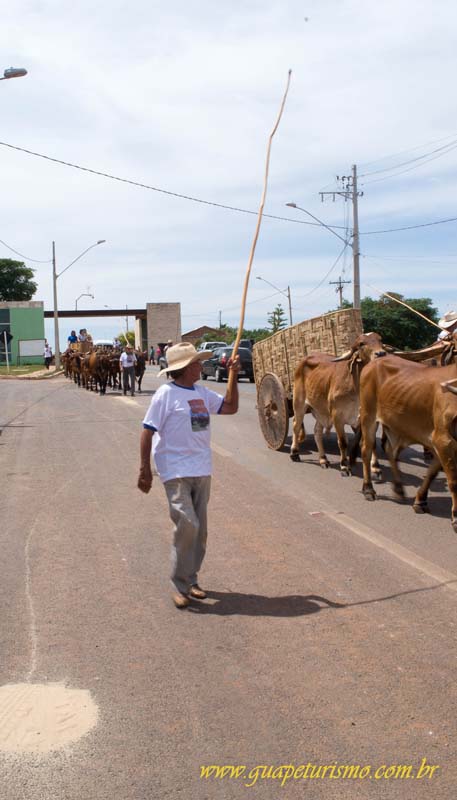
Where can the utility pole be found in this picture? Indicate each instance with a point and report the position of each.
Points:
(349, 191)
(290, 305)
(56, 313)
(355, 238)
(339, 288)
(220, 320)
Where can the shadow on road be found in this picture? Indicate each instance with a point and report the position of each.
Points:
(257, 605)
(295, 605)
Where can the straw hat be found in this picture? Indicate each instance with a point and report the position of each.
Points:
(449, 319)
(181, 355)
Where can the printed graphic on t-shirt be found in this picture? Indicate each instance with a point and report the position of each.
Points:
(199, 417)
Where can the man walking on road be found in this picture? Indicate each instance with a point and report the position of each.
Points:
(177, 428)
(127, 362)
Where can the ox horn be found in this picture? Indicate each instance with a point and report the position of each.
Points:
(345, 357)
(449, 386)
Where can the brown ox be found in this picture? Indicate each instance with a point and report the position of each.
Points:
(329, 388)
(409, 401)
(95, 371)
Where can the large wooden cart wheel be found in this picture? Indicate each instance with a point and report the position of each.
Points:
(273, 411)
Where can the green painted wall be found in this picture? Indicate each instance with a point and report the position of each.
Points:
(26, 323)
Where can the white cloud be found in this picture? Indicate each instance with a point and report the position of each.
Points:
(183, 97)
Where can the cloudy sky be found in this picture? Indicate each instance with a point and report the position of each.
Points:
(182, 97)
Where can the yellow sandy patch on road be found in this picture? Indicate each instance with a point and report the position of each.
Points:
(39, 718)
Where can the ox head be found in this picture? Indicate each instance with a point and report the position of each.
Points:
(366, 347)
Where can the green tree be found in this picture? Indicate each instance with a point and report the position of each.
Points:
(277, 319)
(228, 334)
(127, 338)
(398, 326)
(16, 280)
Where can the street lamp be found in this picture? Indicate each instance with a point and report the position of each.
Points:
(13, 72)
(299, 208)
(84, 294)
(56, 275)
(286, 293)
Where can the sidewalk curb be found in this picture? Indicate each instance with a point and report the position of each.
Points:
(37, 376)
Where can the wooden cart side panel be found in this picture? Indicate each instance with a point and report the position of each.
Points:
(282, 352)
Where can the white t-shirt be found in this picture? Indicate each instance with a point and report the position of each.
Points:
(128, 359)
(180, 419)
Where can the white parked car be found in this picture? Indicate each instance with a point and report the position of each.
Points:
(106, 343)
(211, 345)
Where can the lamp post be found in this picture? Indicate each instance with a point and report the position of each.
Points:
(355, 237)
(286, 293)
(84, 294)
(13, 72)
(299, 208)
(56, 275)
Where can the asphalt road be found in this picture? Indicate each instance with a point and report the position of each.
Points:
(329, 635)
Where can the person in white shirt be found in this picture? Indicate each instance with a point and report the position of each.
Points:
(177, 429)
(47, 354)
(127, 363)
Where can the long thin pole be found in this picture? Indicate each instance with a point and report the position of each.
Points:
(56, 313)
(355, 239)
(290, 306)
(231, 380)
(414, 310)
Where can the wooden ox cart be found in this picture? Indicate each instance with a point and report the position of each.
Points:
(275, 360)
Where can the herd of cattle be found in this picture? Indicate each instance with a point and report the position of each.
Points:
(100, 368)
(412, 395)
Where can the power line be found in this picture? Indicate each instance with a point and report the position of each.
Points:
(208, 202)
(410, 227)
(302, 296)
(232, 308)
(37, 261)
(440, 150)
(429, 259)
(157, 189)
(409, 150)
(403, 171)
(395, 155)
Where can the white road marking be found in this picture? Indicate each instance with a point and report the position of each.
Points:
(402, 553)
(221, 451)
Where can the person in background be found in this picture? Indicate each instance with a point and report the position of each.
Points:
(151, 356)
(82, 335)
(47, 354)
(168, 344)
(117, 343)
(127, 362)
(72, 339)
(449, 323)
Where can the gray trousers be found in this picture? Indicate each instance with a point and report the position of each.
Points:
(128, 377)
(188, 502)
